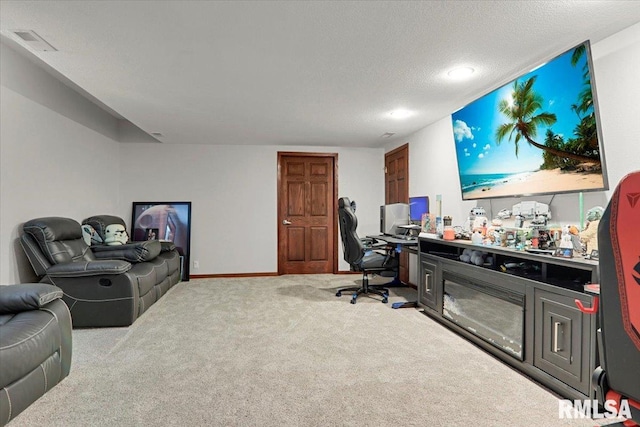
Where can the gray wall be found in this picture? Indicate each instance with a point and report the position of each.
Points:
(57, 151)
(60, 156)
(616, 60)
(233, 190)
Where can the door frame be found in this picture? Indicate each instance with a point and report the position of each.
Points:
(334, 216)
(403, 272)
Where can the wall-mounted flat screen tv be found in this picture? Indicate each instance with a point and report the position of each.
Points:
(539, 134)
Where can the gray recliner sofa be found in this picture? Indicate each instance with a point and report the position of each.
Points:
(103, 285)
(35, 344)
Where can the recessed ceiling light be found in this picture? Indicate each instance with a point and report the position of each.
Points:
(400, 114)
(388, 134)
(461, 72)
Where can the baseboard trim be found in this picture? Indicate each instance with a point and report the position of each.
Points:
(228, 275)
(264, 274)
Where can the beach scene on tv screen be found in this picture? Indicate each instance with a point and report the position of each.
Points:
(535, 135)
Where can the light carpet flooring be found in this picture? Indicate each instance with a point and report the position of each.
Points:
(285, 351)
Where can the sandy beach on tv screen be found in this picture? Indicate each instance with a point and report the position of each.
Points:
(543, 181)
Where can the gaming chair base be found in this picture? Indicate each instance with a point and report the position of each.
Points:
(365, 289)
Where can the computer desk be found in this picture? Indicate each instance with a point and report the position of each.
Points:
(400, 245)
(399, 242)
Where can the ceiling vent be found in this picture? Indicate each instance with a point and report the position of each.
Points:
(33, 41)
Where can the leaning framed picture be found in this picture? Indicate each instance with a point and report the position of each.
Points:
(164, 221)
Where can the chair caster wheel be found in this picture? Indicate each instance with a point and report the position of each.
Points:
(384, 300)
(353, 299)
(338, 294)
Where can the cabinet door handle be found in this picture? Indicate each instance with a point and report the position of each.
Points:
(556, 337)
(427, 283)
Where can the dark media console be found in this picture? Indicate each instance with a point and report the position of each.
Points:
(517, 305)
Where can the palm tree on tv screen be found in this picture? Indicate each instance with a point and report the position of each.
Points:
(524, 120)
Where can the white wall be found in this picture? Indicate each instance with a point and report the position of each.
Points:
(233, 191)
(433, 170)
(57, 155)
(60, 157)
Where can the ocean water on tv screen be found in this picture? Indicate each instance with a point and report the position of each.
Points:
(473, 181)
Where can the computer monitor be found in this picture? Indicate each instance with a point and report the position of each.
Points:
(392, 216)
(417, 207)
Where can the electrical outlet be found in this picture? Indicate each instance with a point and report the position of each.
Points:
(196, 265)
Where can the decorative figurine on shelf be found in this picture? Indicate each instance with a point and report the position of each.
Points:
(478, 220)
(477, 237)
(504, 214)
(589, 236)
(565, 241)
(570, 239)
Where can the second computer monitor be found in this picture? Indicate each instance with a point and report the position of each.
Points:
(418, 206)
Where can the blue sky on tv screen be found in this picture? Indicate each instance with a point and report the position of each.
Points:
(474, 126)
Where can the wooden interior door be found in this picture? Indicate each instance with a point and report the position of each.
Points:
(307, 224)
(396, 166)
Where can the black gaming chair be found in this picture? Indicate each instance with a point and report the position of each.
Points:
(618, 377)
(361, 256)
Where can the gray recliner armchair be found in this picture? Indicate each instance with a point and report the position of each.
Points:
(103, 285)
(35, 345)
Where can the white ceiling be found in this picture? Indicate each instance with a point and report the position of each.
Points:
(300, 73)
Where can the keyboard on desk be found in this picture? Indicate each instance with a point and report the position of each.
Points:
(404, 237)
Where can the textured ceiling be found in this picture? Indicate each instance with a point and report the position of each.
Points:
(300, 73)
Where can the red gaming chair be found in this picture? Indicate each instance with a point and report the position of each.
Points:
(618, 377)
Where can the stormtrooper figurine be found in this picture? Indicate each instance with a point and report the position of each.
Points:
(115, 234)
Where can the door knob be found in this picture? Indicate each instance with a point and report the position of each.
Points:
(286, 222)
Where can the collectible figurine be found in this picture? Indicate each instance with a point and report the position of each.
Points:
(589, 236)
